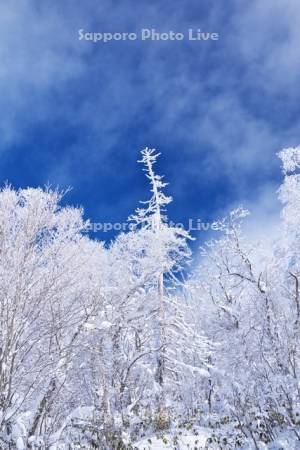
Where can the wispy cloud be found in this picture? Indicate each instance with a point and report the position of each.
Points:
(219, 111)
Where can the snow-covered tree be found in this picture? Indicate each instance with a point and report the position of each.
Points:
(103, 344)
(168, 324)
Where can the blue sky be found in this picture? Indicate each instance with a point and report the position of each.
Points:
(76, 113)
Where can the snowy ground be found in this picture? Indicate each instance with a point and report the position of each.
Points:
(183, 442)
(286, 441)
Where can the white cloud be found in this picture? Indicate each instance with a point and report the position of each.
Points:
(209, 110)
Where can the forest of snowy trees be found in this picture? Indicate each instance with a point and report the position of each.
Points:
(122, 346)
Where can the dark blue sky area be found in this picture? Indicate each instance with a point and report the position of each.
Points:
(76, 113)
